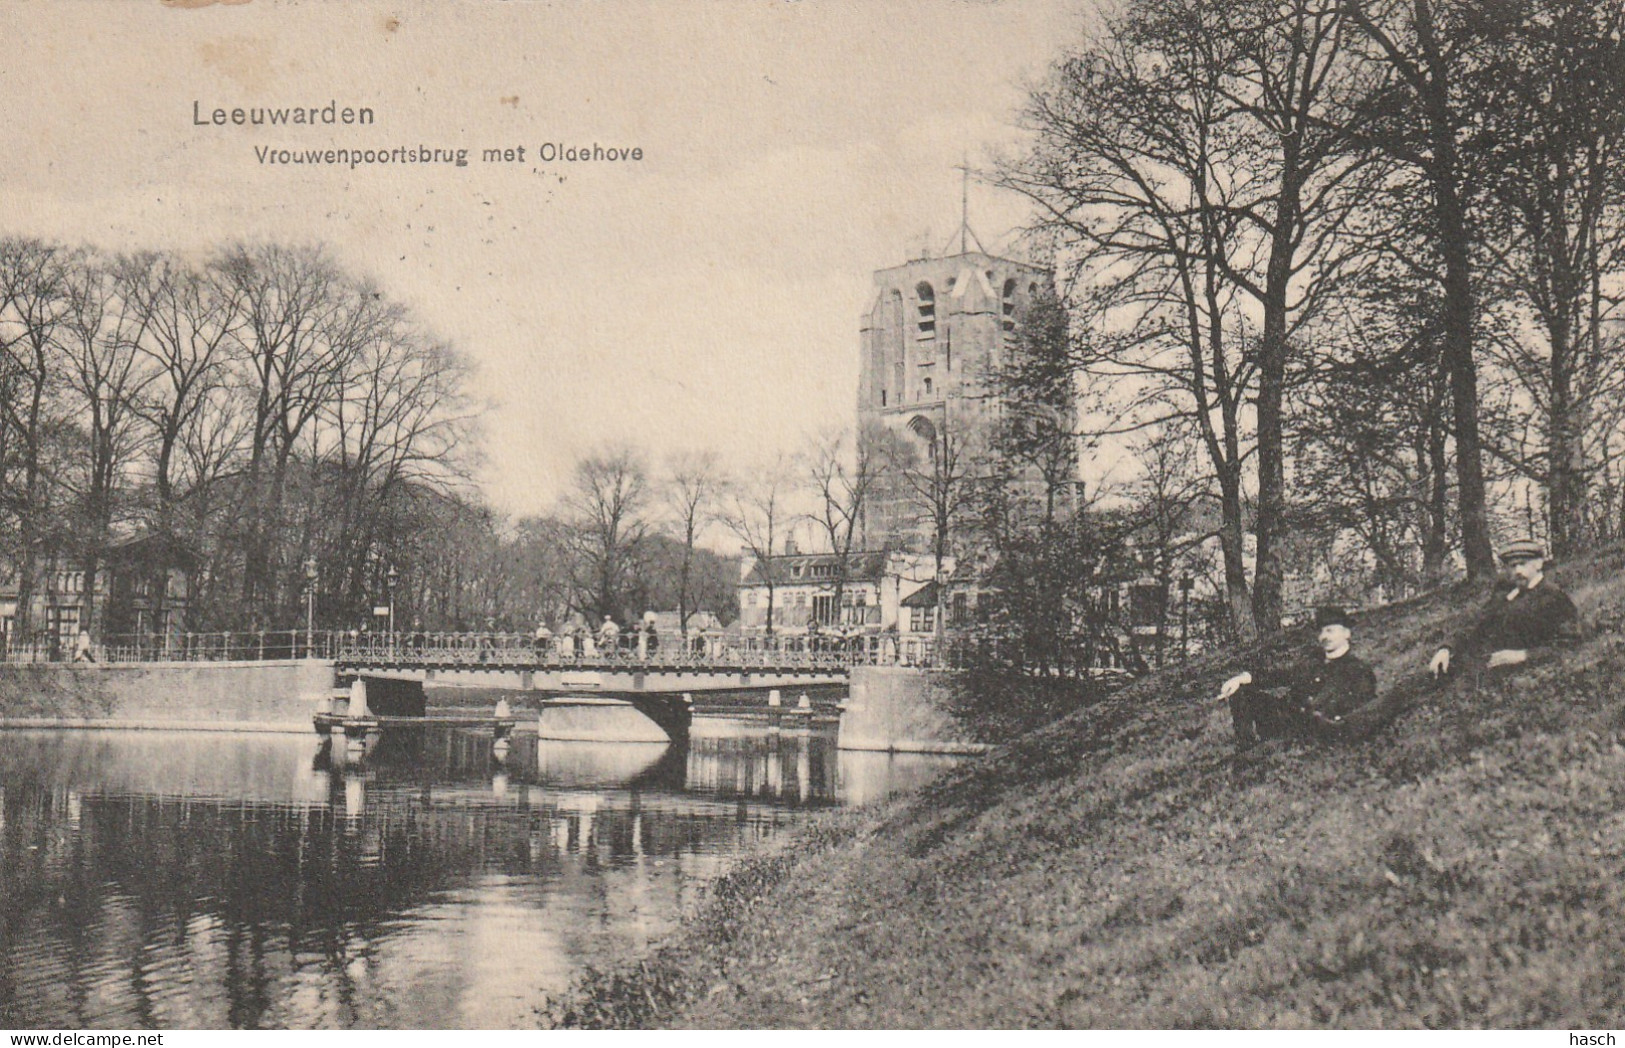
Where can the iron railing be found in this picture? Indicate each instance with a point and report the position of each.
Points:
(699, 651)
(234, 646)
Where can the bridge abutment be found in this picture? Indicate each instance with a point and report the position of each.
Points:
(904, 710)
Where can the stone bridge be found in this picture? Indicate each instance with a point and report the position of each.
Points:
(524, 669)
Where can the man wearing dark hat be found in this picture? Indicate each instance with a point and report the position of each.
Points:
(1528, 611)
(1325, 698)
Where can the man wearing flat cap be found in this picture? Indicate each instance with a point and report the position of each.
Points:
(1334, 696)
(1528, 611)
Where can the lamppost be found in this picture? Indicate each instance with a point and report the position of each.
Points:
(311, 575)
(390, 580)
(1185, 618)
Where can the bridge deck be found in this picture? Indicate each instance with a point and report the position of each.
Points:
(822, 663)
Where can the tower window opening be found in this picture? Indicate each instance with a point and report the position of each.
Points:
(928, 310)
(1009, 305)
(928, 386)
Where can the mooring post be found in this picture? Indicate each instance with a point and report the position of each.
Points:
(501, 730)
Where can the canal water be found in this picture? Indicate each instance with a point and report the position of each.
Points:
(189, 880)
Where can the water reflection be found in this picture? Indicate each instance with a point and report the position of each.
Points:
(199, 880)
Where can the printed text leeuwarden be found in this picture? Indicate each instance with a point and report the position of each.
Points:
(331, 113)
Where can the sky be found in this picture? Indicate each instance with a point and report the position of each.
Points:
(706, 296)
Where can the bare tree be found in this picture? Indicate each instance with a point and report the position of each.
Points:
(1426, 48)
(395, 416)
(1290, 78)
(1552, 103)
(1137, 173)
(693, 486)
(754, 510)
(606, 509)
(943, 469)
(290, 348)
(106, 375)
(34, 305)
(843, 474)
(189, 319)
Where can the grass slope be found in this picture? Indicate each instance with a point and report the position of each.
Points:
(1119, 868)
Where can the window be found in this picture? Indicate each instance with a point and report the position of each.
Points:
(921, 620)
(1009, 305)
(63, 624)
(750, 598)
(927, 324)
(928, 385)
(961, 608)
(824, 608)
(882, 398)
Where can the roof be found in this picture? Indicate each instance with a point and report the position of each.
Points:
(867, 566)
(924, 597)
(155, 547)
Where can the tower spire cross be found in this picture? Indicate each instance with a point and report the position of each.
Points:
(967, 235)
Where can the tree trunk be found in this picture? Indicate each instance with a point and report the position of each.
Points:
(1266, 598)
(1232, 545)
(1455, 247)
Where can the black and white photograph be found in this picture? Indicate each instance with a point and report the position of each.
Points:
(812, 515)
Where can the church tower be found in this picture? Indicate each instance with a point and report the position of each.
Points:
(937, 335)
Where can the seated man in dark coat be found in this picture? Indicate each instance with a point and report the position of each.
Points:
(1332, 697)
(1525, 613)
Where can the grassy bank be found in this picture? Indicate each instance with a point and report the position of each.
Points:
(1119, 868)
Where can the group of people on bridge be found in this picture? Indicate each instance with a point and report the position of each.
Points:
(1335, 697)
(641, 639)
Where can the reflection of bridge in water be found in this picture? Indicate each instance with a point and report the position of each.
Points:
(204, 879)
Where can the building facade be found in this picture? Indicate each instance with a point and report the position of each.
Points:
(878, 606)
(139, 596)
(936, 338)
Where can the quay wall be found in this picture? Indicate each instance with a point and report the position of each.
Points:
(209, 696)
(904, 710)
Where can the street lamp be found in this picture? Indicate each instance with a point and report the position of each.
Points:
(390, 580)
(311, 574)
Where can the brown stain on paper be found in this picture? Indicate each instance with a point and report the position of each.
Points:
(245, 61)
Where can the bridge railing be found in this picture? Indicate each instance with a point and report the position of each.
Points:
(495, 649)
(225, 646)
(701, 651)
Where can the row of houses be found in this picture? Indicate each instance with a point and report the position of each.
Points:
(891, 599)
